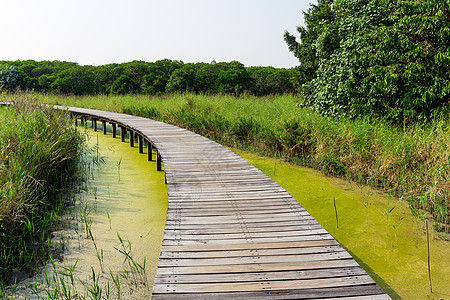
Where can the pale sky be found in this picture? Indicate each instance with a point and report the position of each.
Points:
(97, 32)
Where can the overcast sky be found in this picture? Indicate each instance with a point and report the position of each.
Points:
(96, 32)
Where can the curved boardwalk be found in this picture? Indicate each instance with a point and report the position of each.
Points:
(233, 233)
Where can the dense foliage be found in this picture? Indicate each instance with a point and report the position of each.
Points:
(379, 58)
(8, 77)
(38, 150)
(140, 77)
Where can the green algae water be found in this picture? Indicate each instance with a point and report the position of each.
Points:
(378, 230)
(124, 197)
(128, 198)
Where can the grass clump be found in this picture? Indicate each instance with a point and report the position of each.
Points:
(412, 162)
(39, 148)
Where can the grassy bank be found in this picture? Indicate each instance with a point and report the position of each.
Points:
(38, 154)
(412, 162)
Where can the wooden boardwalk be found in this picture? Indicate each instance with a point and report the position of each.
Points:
(233, 233)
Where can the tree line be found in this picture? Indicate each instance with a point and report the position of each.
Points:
(379, 58)
(139, 77)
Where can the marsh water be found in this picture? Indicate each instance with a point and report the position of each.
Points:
(125, 196)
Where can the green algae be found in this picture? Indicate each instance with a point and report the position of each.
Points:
(130, 200)
(377, 229)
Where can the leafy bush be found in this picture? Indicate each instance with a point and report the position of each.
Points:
(9, 78)
(383, 59)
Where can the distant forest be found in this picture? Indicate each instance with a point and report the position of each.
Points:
(139, 77)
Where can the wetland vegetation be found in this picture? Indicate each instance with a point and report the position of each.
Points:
(109, 240)
(39, 150)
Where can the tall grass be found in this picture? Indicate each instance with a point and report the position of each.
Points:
(412, 162)
(38, 153)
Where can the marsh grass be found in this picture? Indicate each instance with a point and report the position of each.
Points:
(137, 270)
(71, 280)
(39, 149)
(411, 162)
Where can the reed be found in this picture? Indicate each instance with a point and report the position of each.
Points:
(137, 270)
(39, 149)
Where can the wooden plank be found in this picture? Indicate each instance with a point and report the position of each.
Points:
(228, 211)
(260, 211)
(177, 234)
(222, 261)
(327, 293)
(227, 230)
(191, 197)
(258, 224)
(232, 219)
(261, 276)
(181, 192)
(238, 197)
(265, 207)
(253, 252)
(261, 286)
(252, 246)
(233, 204)
(250, 239)
(258, 267)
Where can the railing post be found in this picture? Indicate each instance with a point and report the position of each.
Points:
(149, 151)
(113, 130)
(131, 138)
(158, 161)
(104, 126)
(123, 133)
(141, 144)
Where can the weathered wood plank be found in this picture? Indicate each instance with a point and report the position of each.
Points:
(261, 276)
(175, 234)
(258, 267)
(303, 221)
(222, 261)
(228, 230)
(261, 285)
(348, 292)
(253, 252)
(250, 239)
(252, 246)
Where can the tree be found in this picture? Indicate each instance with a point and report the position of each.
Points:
(158, 75)
(391, 60)
(123, 85)
(270, 80)
(234, 80)
(183, 79)
(316, 18)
